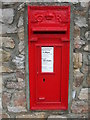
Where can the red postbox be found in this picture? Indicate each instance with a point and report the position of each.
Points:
(49, 43)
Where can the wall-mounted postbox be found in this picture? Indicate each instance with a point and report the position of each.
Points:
(49, 42)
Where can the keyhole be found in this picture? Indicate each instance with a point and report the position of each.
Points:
(43, 79)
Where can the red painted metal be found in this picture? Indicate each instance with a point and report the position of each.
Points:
(49, 26)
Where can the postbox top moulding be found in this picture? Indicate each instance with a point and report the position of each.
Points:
(49, 14)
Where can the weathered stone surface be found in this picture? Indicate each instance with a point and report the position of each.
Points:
(9, 2)
(78, 43)
(87, 48)
(87, 1)
(0, 115)
(89, 18)
(20, 74)
(21, 6)
(21, 33)
(0, 42)
(87, 35)
(20, 80)
(85, 59)
(80, 21)
(16, 109)
(19, 61)
(78, 78)
(0, 104)
(57, 117)
(7, 42)
(43, 116)
(5, 69)
(20, 23)
(80, 12)
(79, 107)
(77, 60)
(73, 94)
(9, 77)
(19, 98)
(75, 1)
(6, 15)
(6, 99)
(77, 116)
(84, 69)
(4, 55)
(84, 94)
(0, 83)
(7, 29)
(84, 4)
(88, 79)
(76, 31)
(40, 115)
(1, 56)
(4, 115)
(21, 46)
(88, 57)
(45, 0)
(23, 52)
(15, 85)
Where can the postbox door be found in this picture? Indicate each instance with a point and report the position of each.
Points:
(49, 69)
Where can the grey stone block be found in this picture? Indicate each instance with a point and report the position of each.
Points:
(6, 15)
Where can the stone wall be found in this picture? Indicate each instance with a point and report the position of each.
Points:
(13, 63)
